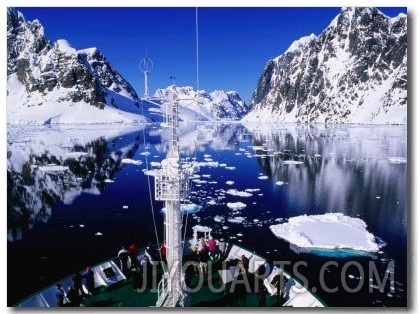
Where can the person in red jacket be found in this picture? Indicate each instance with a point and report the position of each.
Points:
(163, 252)
(212, 245)
(133, 252)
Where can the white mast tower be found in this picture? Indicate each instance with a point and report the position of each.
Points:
(172, 186)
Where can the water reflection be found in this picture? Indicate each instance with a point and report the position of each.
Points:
(46, 164)
(353, 169)
(360, 171)
(357, 170)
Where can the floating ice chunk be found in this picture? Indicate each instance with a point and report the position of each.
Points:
(225, 227)
(131, 161)
(219, 218)
(252, 190)
(152, 172)
(292, 162)
(213, 164)
(98, 233)
(108, 181)
(238, 193)
(198, 181)
(75, 154)
(397, 160)
(263, 177)
(145, 153)
(280, 182)
(222, 165)
(125, 206)
(236, 220)
(237, 205)
(230, 182)
(330, 231)
(53, 168)
(230, 168)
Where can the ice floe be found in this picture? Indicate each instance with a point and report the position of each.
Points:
(238, 193)
(237, 205)
(263, 177)
(53, 168)
(397, 160)
(131, 161)
(236, 220)
(292, 162)
(330, 231)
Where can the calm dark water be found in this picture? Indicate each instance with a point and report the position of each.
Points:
(65, 217)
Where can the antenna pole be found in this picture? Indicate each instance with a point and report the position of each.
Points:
(146, 66)
(146, 85)
(196, 43)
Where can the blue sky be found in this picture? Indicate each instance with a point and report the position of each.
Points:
(234, 43)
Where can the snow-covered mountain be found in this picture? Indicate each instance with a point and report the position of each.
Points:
(201, 106)
(55, 83)
(355, 71)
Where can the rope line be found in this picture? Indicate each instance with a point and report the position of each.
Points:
(149, 185)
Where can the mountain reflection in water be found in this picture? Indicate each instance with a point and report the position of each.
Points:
(67, 184)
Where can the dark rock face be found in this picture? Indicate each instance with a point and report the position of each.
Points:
(43, 67)
(354, 71)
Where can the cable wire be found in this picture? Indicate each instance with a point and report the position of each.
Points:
(148, 182)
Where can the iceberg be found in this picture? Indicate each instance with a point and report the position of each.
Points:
(331, 231)
(237, 205)
(131, 161)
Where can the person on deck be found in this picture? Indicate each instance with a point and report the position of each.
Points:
(162, 250)
(73, 297)
(78, 284)
(123, 257)
(90, 280)
(146, 270)
(59, 295)
(244, 263)
(212, 245)
(133, 252)
(203, 256)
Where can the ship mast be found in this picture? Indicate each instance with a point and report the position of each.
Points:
(172, 187)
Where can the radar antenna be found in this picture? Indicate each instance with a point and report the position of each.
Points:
(146, 66)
